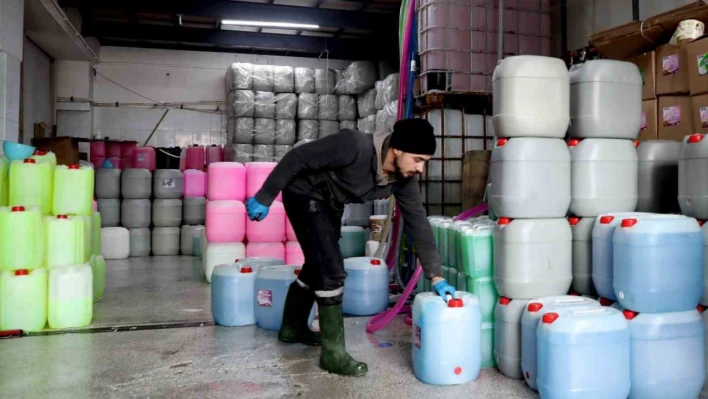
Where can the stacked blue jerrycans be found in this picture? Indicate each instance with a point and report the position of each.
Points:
(366, 286)
(583, 354)
(507, 336)
(529, 323)
(667, 354)
(447, 338)
(232, 296)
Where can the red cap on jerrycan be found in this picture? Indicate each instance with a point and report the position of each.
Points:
(74, 166)
(549, 318)
(606, 219)
(455, 303)
(504, 300)
(21, 272)
(535, 306)
(695, 138)
(629, 315)
(18, 208)
(29, 160)
(246, 269)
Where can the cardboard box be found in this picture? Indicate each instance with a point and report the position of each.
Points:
(65, 148)
(675, 117)
(700, 113)
(697, 58)
(647, 67)
(671, 70)
(650, 127)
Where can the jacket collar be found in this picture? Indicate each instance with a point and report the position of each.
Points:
(381, 145)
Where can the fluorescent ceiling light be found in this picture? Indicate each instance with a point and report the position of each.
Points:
(265, 24)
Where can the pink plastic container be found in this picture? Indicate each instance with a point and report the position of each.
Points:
(270, 229)
(265, 250)
(256, 175)
(98, 149)
(193, 183)
(293, 254)
(226, 181)
(97, 162)
(127, 163)
(289, 232)
(127, 148)
(195, 157)
(215, 153)
(144, 158)
(114, 149)
(225, 221)
(183, 160)
(117, 162)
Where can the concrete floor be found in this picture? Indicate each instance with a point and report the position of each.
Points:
(208, 361)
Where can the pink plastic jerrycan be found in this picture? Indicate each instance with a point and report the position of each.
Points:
(256, 175)
(193, 183)
(293, 254)
(225, 221)
(226, 181)
(265, 250)
(270, 229)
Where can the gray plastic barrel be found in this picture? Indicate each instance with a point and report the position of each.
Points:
(165, 241)
(167, 184)
(358, 214)
(136, 184)
(108, 183)
(507, 336)
(140, 242)
(194, 211)
(658, 176)
(136, 213)
(167, 213)
(582, 255)
(186, 241)
(110, 212)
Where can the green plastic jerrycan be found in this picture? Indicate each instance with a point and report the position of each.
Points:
(23, 299)
(477, 249)
(73, 190)
(87, 224)
(4, 180)
(70, 296)
(443, 248)
(486, 292)
(96, 234)
(64, 241)
(31, 184)
(47, 157)
(21, 238)
(98, 271)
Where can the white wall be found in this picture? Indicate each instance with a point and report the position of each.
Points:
(37, 102)
(174, 77)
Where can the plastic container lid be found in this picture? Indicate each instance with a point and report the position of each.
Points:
(376, 262)
(628, 222)
(21, 272)
(40, 153)
(573, 220)
(246, 269)
(550, 317)
(629, 315)
(455, 303)
(503, 221)
(62, 216)
(504, 300)
(535, 306)
(695, 138)
(29, 160)
(606, 219)
(74, 166)
(18, 209)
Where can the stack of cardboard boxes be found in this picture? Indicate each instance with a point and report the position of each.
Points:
(675, 93)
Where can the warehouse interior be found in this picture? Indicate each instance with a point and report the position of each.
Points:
(170, 108)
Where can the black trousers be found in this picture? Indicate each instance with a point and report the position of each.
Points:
(318, 227)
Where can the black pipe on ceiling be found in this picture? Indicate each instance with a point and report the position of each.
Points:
(635, 10)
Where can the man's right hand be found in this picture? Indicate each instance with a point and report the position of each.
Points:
(256, 210)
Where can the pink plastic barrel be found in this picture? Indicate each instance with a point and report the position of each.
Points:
(127, 163)
(127, 148)
(265, 250)
(183, 160)
(256, 175)
(97, 162)
(98, 149)
(144, 158)
(195, 157)
(215, 153)
(114, 149)
(226, 181)
(193, 183)
(289, 232)
(270, 229)
(225, 221)
(293, 254)
(116, 162)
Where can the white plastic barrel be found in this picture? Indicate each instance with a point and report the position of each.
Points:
(165, 241)
(115, 243)
(693, 179)
(507, 335)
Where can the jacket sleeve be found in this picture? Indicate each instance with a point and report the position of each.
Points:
(326, 153)
(416, 222)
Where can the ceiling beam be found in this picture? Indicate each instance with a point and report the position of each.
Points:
(221, 9)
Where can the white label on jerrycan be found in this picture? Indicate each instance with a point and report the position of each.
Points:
(417, 341)
(141, 157)
(168, 183)
(265, 298)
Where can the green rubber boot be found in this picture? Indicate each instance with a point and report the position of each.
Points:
(335, 358)
(294, 328)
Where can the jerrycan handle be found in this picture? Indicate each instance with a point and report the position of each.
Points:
(590, 311)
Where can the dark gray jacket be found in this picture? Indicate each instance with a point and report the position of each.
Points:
(344, 168)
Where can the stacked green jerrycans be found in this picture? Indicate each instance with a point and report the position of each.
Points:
(31, 185)
(436, 223)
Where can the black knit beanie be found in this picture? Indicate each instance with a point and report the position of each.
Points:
(414, 136)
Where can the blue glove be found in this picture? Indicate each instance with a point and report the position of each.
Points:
(256, 210)
(444, 289)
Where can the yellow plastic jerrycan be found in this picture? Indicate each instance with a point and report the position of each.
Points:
(95, 233)
(4, 180)
(47, 157)
(23, 299)
(64, 241)
(73, 190)
(70, 296)
(31, 184)
(21, 238)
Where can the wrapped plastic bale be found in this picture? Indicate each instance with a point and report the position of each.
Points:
(262, 78)
(358, 77)
(239, 76)
(325, 81)
(286, 106)
(285, 132)
(368, 124)
(264, 131)
(327, 107)
(264, 104)
(307, 106)
(262, 153)
(340, 86)
(366, 103)
(347, 125)
(308, 130)
(283, 79)
(387, 91)
(279, 151)
(328, 128)
(242, 130)
(240, 103)
(242, 153)
(347, 108)
(304, 80)
(386, 118)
